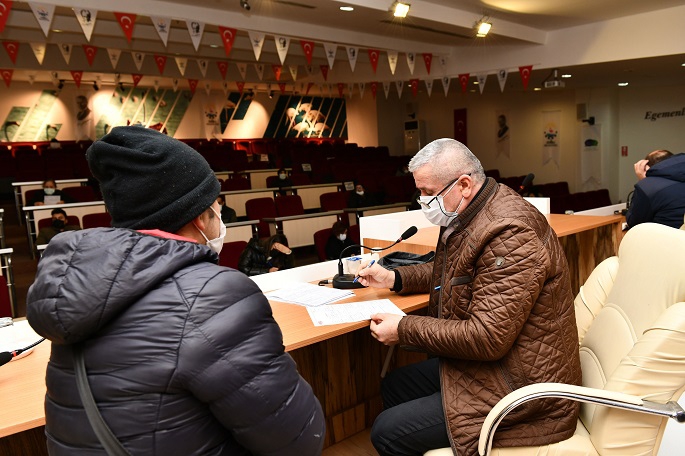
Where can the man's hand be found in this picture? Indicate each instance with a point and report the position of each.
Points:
(641, 168)
(384, 328)
(376, 276)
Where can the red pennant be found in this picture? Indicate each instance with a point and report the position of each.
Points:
(241, 85)
(7, 76)
(524, 71)
(5, 7)
(414, 84)
(324, 72)
(193, 85)
(160, 60)
(223, 68)
(77, 75)
(374, 54)
(464, 81)
(136, 79)
(12, 48)
(126, 21)
(228, 37)
(90, 53)
(341, 88)
(428, 59)
(309, 86)
(281, 85)
(277, 71)
(308, 49)
(374, 89)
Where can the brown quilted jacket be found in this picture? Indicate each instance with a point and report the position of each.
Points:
(502, 318)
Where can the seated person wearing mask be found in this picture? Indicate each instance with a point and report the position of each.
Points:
(360, 198)
(283, 180)
(59, 225)
(266, 255)
(227, 213)
(51, 195)
(337, 241)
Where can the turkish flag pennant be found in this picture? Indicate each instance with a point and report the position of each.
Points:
(414, 84)
(428, 59)
(193, 85)
(309, 86)
(5, 7)
(228, 37)
(308, 48)
(12, 48)
(90, 53)
(281, 85)
(374, 89)
(77, 75)
(525, 75)
(136, 79)
(241, 85)
(126, 21)
(223, 68)
(374, 54)
(341, 89)
(160, 60)
(464, 81)
(277, 71)
(7, 76)
(324, 72)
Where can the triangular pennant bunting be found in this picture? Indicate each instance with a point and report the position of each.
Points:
(38, 51)
(362, 87)
(241, 86)
(309, 87)
(224, 86)
(208, 87)
(32, 79)
(386, 88)
(443, 61)
(374, 54)
(7, 76)
(223, 68)
(66, 49)
(324, 72)
(277, 71)
(446, 84)
(482, 78)
(282, 46)
(399, 85)
(5, 7)
(77, 76)
(91, 51)
(414, 84)
(309, 69)
(428, 59)
(163, 26)
(350, 89)
(136, 79)
(411, 61)
(196, 29)
(192, 83)
(155, 84)
(293, 71)
(12, 48)
(126, 21)
(138, 58)
(203, 64)
(392, 61)
(259, 68)
(281, 86)
(182, 64)
(429, 86)
(174, 84)
(44, 14)
(525, 75)
(464, 81)
(113, 55)
(160, 60)
(341, 89)
(330, 49)
(374, 89)
(352, 53)
(257, 41)
(228, 37)
(242, 69)
(308, 49)
(86, 18)
(502, 79)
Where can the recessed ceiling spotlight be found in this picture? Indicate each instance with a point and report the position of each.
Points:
(213, 45)
(622, 84)
(400, 9)
(537, 89)
(244, 4)
(346, 8)
(566, 76)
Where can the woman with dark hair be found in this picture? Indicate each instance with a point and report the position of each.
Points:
(266, 255)
(337, 241)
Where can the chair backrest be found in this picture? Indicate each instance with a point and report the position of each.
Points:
(81, 193)
(631, 324)
(98, 220)
(7, 291)
(334, 201)
(30, 195)
(258, 209)
(288, 205)
(230, 253)
(238, 183)
(44, 223)
(353, 233)
(320, 239)
(5, 303)
(272, 181)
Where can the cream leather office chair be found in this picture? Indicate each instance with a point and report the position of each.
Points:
(631, 325)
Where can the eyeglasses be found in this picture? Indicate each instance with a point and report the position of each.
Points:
(428, 204)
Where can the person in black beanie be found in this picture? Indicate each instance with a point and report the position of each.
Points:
(182, 356)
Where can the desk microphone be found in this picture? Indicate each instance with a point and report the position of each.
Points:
(6, 357)
(526, 182)
(346, 281)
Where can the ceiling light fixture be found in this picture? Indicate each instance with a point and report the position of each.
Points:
(400, 9)
(346, 8)
(566, 76)
(483, 27)
(622, 84)
(244, 4)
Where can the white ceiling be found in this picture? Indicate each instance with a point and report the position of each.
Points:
(440, 27)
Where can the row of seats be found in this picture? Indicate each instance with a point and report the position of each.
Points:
(79, 194)
(582, 201)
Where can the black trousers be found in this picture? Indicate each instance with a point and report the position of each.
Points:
(413, 420)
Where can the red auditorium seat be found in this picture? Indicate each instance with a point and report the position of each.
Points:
(46, 222)
(320, 239)
(235, 184)
(81, 193)
(98, 220)
(258, 209)
(288, 205)
(334, 201)
(230, 253)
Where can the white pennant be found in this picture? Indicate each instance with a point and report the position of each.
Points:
(44, 15)
(352, 54)
(429, 86)
(66, 49)
(242, 69)
(282, 46)
(392, 61)
(293, 71)
(86, 17)
(362, 86)
(502, 78)
(259, 67)
(386, 88)
(32, 78)
(39, 51)
(203, 64)
(257, 41)
(196, 29)
(350, 89)
(208, 87)
(174, 84)
(481, 77)
(224, 85)
(443, 61)
(138, 58)
(330, 49)
(399, 85)
(156, 85)
(163, 26)
(182, 64)
(411, 61)
(446, 84)
(114, 55)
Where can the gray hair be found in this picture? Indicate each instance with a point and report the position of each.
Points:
(448, 159)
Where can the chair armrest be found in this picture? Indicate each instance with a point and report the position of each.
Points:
(615, 399)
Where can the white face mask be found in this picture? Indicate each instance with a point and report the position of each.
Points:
(435, 212)
(49, 191)
(281, 176)
(360, 193)
(342, 237)
(215, 244)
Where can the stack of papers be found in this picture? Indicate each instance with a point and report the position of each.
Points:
(351, 312)
(307, 294)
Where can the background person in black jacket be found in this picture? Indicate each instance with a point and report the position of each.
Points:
(266, 255)
(50, 192)
(337, 241)
(360, 198)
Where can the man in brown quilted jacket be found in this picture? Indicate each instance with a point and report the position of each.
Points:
(500, 317)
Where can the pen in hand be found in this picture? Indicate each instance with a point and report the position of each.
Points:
(367, 266)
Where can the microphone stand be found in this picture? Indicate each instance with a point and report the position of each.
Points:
(346, 281)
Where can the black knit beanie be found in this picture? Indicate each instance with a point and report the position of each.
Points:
(151, 181)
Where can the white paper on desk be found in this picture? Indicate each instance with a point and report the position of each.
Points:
(351, 312)
(307, 294)
(51, 199)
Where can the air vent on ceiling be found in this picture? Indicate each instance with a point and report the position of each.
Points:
(425, 29)
(299, 5)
